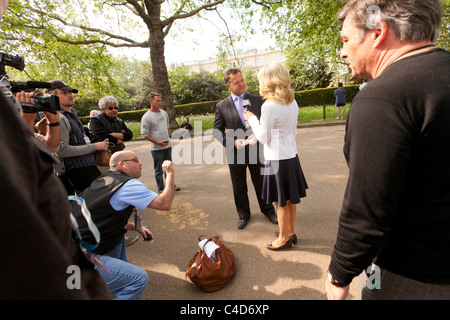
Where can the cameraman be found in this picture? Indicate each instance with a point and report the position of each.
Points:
(51, 135)
(76, 151)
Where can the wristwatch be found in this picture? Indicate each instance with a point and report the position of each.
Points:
(333, 281)
(54, 124)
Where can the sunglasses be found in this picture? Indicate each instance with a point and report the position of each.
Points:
(113, 108)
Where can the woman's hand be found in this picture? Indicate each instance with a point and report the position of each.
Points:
(248, 115)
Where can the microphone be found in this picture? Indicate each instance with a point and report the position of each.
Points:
(246, 103)
(17, 86)
(36, 84)
(246, 100)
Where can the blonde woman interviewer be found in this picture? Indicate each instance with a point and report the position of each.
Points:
(284, 183)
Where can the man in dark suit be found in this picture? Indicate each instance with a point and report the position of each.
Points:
(242, 148)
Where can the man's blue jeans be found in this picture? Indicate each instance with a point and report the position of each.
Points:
(126, 281)
(158, 158)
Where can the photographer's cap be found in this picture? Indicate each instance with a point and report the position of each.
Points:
(61, 85)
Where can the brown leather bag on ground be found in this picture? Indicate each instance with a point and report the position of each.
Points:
(208, 275)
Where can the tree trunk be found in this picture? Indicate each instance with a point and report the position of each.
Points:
(160, 75)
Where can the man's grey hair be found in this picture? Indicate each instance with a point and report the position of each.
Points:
(108, 99)
(412, 20)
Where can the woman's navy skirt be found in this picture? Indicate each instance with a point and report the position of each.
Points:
(283, 181)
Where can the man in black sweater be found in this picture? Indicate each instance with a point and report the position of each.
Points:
(107, 125)
(396, 209)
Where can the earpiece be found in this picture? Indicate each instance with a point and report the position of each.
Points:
(129, 172)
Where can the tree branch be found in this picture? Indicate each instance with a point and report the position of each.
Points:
(229, 35)
(179, 11)
(167, 29)
(180, 15)
(267, 4)
(144, 44)
(140, 11)
(127, 41)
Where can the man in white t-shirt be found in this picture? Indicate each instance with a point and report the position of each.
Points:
(155, 128)
(111, 199)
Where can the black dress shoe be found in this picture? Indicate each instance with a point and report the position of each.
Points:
(292, 236)
(242, 223)
(286, 245)
(273, 218)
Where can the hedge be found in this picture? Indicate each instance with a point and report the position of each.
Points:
(180, 110)
(323, 97)
(306, 98)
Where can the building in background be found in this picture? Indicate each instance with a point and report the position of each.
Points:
(250, 58)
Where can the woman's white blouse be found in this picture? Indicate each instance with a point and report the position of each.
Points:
(277, 129)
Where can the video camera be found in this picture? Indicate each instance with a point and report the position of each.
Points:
(42, 103)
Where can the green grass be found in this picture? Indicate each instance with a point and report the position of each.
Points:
(135, 127)
(310, 114)
(305, 115)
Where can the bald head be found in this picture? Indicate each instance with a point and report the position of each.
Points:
(126, 161)
(120, 156)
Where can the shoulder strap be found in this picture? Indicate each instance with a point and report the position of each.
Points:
(81, 206)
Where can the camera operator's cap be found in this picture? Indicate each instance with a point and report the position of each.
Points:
(61, 85)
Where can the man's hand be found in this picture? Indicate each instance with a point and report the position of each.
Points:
(164, 200)
(163, 143)
(103, 145)
(334, 292)
(118, 136)
(167, 166)
(25, 97)
(52, 117)
(239, 143)
(41, 126)
(252, 140)
(144, 231)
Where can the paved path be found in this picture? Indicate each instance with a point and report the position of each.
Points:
(205, 206)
